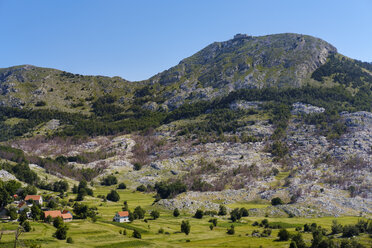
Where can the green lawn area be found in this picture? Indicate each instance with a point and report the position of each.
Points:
(105, 233)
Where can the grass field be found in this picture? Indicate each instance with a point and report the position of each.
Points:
(105, 233)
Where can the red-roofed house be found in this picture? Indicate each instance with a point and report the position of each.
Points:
(65, 215)
(121, 216)
(36, 198)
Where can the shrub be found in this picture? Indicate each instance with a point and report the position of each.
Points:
(244, 212)
(155, 214)
(70, 240)
(137, 166)
(122, 186)
(141, 188)
(136, 234)
(231, 230)
(235, 215)
(298, 240)
(61, 232)
(161, 230)
(176, 212)
(222, 210)
(283, 235)
(276, 201)
(213, 221)
(350, 231)
(336, 227)
(139, 213)
(185, 227)
(26, 225)
(40, 103)
(57, 222)
(266, 233)
(199, 214)
(109, 180)
(113, 196)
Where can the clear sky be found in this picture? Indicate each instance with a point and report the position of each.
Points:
(139, 38)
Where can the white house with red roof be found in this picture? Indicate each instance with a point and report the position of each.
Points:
(121, 216)
(36, 198)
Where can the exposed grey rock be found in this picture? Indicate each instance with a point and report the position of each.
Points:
(302, 108)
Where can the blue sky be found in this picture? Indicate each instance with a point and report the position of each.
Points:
(137, 39)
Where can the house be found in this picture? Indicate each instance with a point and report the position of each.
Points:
(36, 198)
(22, 206)
(121, 216)
(65, 215)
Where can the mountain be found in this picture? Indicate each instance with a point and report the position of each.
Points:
(244, 62)
(28, 86)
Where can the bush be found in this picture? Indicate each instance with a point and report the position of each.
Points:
(213, 221)
(109, 180)
(70, 240)
(136, 234)
(276, 201)
(141, 188)
(222, 210)
(266, 233)
(231, 230)
(350, 231)
(137, 166)
(26, 225)
(298, 240)
(61, 232)
(244, 212)
(235, 215)
(139, 213)
(113, 196)
(155, 214)
(57, 222)
(283, 235)
(176, 212)
(185, 227)
(199, 214)
(336, 227)
(122, 186)
(161, 230)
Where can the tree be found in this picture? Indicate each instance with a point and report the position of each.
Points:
(136, 234)
(57, 222)
(276, 201)
(222, 210)
(231, 230)
(155, 214)
(82, 211)
(141, 188)
(350, 231)
(185, 227)
(22, 217)
(61, 232)
(235, 215)
(125, 208)
(137, 166)
(298, 240)
(244, 212)
(12, 213)
(336, 227)
(199, 214)
(122, 186)
(214, 221)
(113, 196)
(48, 219)
(139, 213)
(36, 212)
(176, 212)
(292, 245)
(283, 235)
(109, 180)
(26, 225)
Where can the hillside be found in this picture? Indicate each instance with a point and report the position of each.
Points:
(255, 133)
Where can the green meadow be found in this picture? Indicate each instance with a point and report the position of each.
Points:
(106, 233)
